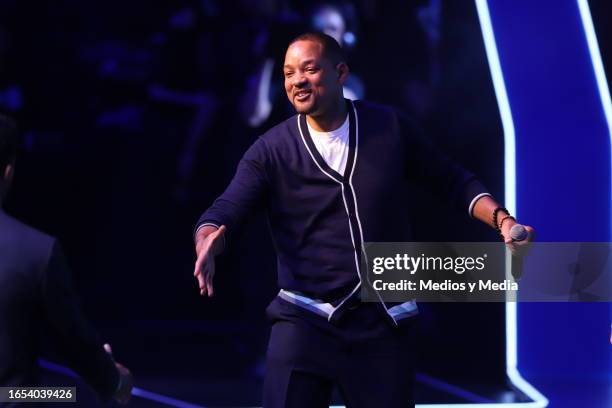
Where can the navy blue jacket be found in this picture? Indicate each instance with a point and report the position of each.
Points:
(318, 218)
(36, 293)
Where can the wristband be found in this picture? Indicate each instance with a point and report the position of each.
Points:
(495, 212)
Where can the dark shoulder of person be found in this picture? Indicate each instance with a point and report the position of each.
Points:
(23, 249)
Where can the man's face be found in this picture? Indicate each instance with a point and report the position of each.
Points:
(312, 82)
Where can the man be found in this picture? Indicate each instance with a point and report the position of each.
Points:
(331, 178)
(36, 292)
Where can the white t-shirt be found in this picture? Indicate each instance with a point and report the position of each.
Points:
(333, 146)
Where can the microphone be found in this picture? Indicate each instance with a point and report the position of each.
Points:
(517, 233)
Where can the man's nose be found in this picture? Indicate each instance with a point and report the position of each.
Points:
(299, 80)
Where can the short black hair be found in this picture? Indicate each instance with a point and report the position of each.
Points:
(331, 49)
(8, 141)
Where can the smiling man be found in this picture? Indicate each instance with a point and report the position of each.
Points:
(312, 82)
(332, 177)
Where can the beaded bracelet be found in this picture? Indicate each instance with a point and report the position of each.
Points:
(498, 209)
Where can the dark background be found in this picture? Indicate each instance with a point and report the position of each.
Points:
(133, 116)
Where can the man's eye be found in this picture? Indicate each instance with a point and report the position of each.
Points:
(288, 74)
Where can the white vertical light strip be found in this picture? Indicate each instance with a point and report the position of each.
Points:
(510, 194)
(509, 156)
(598, 68)
(502, 103)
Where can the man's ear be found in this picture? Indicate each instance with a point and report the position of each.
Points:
(343, 72)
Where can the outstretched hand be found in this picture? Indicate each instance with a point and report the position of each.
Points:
(126, 380)
(208, 245)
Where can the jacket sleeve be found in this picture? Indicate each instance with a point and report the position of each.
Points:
(76, 339)
(245, 192)
(436, 171)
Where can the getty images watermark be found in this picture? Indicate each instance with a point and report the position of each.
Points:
(485, 272)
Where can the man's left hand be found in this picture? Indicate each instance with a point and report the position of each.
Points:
(518, 248)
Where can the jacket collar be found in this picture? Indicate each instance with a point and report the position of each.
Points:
(316, 156)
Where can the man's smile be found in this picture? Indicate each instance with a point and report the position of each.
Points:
(302, 95)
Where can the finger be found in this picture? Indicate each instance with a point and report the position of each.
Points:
(201, 281)
(199, 275)
(108, 349)
(207, 277)
(531, 232)
(210, 273)
(525, 246)
(221, 230)
(218, 233)
(209, 286)
(197, 268)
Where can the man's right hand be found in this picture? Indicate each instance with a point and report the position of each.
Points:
(124, 393)
(209, 243)
(126, 380)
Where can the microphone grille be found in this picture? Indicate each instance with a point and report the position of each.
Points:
(518, 232)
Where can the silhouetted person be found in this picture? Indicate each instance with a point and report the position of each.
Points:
(36, 292)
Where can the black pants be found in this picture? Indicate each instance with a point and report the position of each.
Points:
(371, 362)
